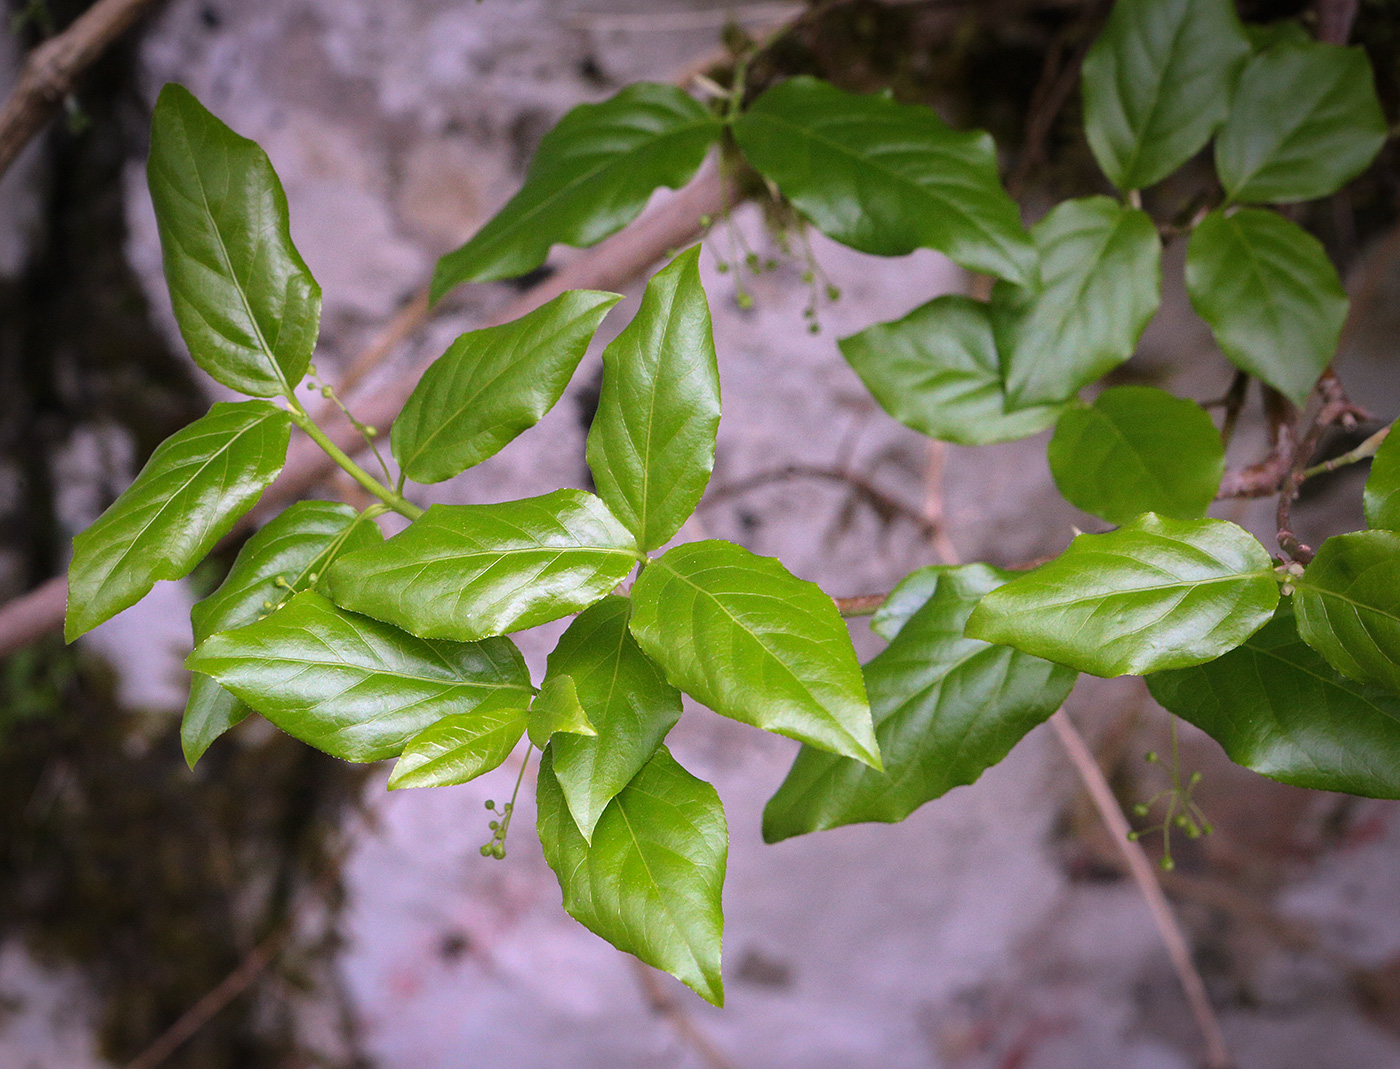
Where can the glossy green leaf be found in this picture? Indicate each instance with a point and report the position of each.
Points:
(245, 300)
(1382, 496)
(1156, 594)
(1157, 84)
(556, 708)
(352, 686)
(626, 699)
(468, 571)
(1279, 709)
(937, 371)
(289, 554)
(909, 595)
(651, 880)
(886, 178)
(746, 637)
(946, 708)
(1270, 294)
(492, 384)
(188, 496)
(1101, 282)
(652, 444)
(1138, 449)
(1348, 606)
(459, 747)
(591, 176)
(1304, 122)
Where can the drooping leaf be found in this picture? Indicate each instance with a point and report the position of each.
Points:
(626, 699)
(746, 637)
(468, 571)
(1101, 282)
(245, 300)
(459, 747)
(909, 595)
(1155, 594)
(1348, 606)
(1304, 122)
(652, 444)
(886, 178)
(1383, 485)
(1279, 709)
(946, 707)
(1138, 449)
(591, 176)
(352, 686)
(1157, 84)
(651, 880)
(556, 708)
(188, 496)
(289, 554)
(491, 384)
(938, 372)
(1270, 294)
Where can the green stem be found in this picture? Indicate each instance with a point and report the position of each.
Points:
(395, 501)
(1365, 450)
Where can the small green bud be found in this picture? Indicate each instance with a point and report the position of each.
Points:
(499, 851)
(327, 392)
(809, 276)
(371, 432)
(312, 578)
(744, 301)
(1150, 757)
(706, 220)
(267, 605)
(770, 264)
(1140, 809)
(814, 328)
(311, 370)
(833, 293)
(490, 804)
(722, 267)
(1195, 778)
(486, 850)
(1134, 836)
(1181, 822)
(495, 824)
(1168, 864)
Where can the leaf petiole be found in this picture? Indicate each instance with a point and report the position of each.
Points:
(395, 501)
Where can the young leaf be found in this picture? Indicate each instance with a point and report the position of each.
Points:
(459, 747)
(245, 300)
(746, 637)
(352, 686)
(468, 571)
(886, 178)
(1279, 709)
(1304, 122)
(626, 699)
(1157, 84)
(946, 709)
(1348, 606)
(937, 371)
(492, 384)
(1101, 282)
(1270, 294)
(1138, 449)
(190, 493)
(650, 881)
(652, 444)
(1158, 593)
(591, 176)
(287, 555)
(556, 708)
(1383, 485)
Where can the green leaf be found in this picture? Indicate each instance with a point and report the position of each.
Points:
(556, 708)
(287, 555)
(626, 699)
(1383, 485)
(937, 371)
(1279, 709)
(1304, 122)
(468, 571)
(459, 747)
(1264, 35)
(592, 175)
(352, 686)
(1158, 593)
(245, 300)
(1157, 84)
(188, 496)
(1101, 282)
(886, 178)
(650, 881)
(946, 709)
(1348, 606)
(746, 637)
(492, 384)
(1138, 449)
(652, 444)
(1270, 294)
(909, 595)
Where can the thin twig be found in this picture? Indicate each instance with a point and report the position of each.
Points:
(664, 1004)
(1234, 405)
(1336, 409)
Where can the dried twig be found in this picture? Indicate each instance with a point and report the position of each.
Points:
(662, 1003)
